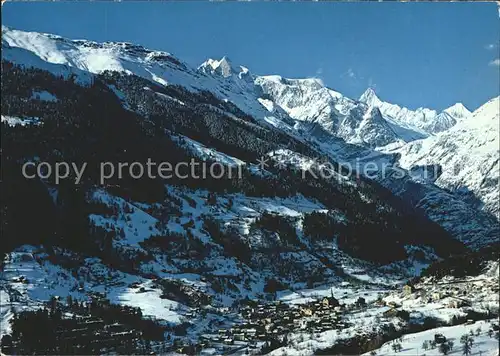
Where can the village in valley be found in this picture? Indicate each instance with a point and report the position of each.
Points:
(256, 327)
(272, 322)
(455, 303)
(359, 317)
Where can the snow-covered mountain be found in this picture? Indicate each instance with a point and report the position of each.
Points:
(308, 100)
(221, 265)
(425, 120)
(468, 155)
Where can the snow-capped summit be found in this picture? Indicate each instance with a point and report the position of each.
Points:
(458, 111)
(225, 68)
(427, 121)
(370, 98)
(376, 131)
(93, 57)
(186, 248)
(63, 56)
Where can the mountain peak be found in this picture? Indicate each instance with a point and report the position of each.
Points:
(458, 111)
(225, 61)
(369, 97)
(223, 66)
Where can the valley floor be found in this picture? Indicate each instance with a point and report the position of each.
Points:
(29, 281)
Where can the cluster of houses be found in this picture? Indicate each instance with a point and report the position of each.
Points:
(273, 321)
(454, 294)
(257, 322)
(448, 293)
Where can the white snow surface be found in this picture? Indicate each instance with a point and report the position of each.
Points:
(63, 56)
(412, 343)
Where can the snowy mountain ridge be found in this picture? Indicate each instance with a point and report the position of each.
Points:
(458, 111)
(302, 99)
(426, 120)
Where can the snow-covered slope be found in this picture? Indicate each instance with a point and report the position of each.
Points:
(468, 154)
(445, 300)
(412, 344)
(425, 120)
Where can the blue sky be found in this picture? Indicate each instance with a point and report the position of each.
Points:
(413, 54)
